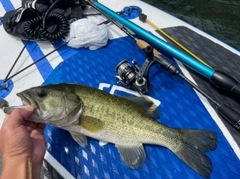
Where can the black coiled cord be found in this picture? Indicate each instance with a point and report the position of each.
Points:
(33, 27)
(56, 27)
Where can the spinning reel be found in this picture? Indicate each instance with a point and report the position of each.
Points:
(133, 76)
(137, 78)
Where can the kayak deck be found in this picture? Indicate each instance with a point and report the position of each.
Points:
(216, 56)
(177, 109)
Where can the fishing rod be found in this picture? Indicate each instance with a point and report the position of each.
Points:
(143, 18)
(219, 79)
(229, 114)
(137, 81)
(132, 77)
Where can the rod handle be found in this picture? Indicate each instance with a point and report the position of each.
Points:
(236, 91)
(230, 115)
(226, 82)
(142, 45)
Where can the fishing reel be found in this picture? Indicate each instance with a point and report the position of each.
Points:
(132, 76)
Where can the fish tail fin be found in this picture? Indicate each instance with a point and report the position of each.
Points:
(192, 150)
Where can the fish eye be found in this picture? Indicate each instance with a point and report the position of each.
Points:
(41, 93)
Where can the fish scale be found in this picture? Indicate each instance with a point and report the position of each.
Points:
(120, 109)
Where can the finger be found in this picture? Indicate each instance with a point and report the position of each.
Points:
(26, 112)
(35, 126)
(41, 128)
(37, 133)
(18, 116)
(32, 125)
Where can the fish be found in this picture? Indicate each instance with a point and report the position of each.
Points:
(128, 122)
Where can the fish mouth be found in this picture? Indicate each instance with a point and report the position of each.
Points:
(27, 101)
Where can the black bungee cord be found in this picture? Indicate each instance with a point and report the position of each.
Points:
(8, 78)
(36, 29)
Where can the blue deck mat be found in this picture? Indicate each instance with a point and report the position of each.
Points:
(180, 107)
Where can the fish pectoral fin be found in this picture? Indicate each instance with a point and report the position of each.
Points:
(132, 155)
(147, 105)
(91, 124)
(79, 138)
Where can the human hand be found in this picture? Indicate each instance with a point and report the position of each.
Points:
(21, 139)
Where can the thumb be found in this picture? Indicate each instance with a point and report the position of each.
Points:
(18, 117)
(26, 112)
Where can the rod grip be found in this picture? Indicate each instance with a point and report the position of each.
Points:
(230, 115)
(226, 82)
(236, 91)
(143, 44)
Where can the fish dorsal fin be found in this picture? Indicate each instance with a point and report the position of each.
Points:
(147, 105)
(79, 138)
(91, 124)
(132, 155)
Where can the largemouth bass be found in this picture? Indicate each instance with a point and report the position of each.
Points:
(128, 122)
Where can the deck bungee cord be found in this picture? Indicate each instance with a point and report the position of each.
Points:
(219, 79)
(20, 71)
(15, 62)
